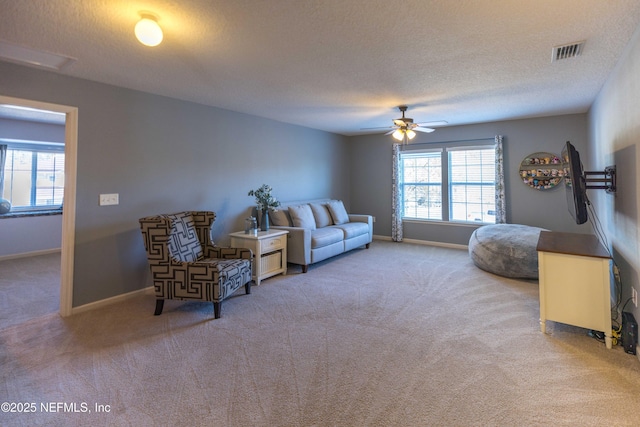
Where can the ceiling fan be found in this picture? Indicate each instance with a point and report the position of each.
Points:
(404, 128)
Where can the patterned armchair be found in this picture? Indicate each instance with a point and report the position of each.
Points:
(186, 266)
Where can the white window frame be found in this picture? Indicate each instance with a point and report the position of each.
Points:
(35, 147)
(412, 154)
(444, 149)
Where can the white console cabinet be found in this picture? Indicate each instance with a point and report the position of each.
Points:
(575, 281)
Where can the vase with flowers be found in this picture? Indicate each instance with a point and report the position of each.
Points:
(264, 202)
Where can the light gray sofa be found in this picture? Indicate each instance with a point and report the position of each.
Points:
(320, 229)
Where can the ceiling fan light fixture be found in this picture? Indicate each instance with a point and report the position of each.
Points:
(404, 129)
(147, 30)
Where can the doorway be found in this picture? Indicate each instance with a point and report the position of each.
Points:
(69, 201)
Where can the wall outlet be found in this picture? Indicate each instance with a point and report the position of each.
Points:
(109, 199)
(634, 296)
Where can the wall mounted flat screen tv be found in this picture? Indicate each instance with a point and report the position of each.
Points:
(575, 184)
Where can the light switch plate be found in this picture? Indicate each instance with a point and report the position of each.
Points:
(109, 199)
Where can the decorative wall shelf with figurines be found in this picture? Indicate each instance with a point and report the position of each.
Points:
(542, 171)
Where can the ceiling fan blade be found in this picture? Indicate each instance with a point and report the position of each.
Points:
(423, 129)
(382, 127)
(390, 132)
(436, 123)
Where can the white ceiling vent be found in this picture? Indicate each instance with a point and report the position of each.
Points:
(567, 51)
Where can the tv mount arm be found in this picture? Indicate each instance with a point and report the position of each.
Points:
(606, 179)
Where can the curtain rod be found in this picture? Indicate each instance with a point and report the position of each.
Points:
(451, 142)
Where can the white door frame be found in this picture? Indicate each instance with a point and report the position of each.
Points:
(69, 200)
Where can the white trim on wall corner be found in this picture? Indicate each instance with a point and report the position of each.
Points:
(30, 254)
(424, 242)
(378, 237)
(440, 244)
(113, 300)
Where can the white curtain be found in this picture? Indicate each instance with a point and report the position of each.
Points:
(396, 196)
(3, 159)
(501, 204)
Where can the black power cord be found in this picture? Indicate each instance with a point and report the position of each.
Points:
(615, 313)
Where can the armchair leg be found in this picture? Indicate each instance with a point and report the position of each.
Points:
(216, 309)
(367, 245)
(247, 287)
(305, 268)
(159, 306)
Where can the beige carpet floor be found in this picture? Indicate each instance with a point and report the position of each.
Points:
(29, 288)
(396, 335)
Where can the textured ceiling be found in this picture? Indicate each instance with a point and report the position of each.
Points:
(341, 65)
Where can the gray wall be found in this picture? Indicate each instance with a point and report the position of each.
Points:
(31, 131)
(614, 138)
(371, 179)
(166, 155)
(31, 235)
(163, 155)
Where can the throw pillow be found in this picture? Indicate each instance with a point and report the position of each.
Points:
(301, 216)
(321, 214)
(338, 212)
(280, 218)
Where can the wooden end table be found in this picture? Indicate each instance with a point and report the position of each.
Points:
(269, 251)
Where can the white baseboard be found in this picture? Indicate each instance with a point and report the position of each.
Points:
(377, 237)
(441, 244)
(424, 242)
(108, 301)
(29, 254)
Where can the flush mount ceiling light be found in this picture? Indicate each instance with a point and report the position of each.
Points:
(148, 32)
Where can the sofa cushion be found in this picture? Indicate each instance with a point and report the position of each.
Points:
(301, 216)
(338, 212)
(353, 229)
(321, 214)
(280, 217)
(325, 236)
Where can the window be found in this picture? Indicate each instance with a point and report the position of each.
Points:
(449, 183)
(33, 175)
(422, 185)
